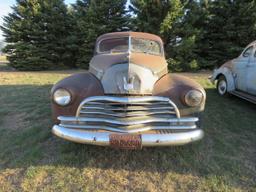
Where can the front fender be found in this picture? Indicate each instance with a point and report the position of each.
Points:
(227, 73)
(80, 86)
(175, 87)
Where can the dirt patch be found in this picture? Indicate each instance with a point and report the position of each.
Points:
(14, 121)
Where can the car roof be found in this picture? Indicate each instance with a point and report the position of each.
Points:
(252, 43)
(132, 34)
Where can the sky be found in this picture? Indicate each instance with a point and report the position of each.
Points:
(5, 8)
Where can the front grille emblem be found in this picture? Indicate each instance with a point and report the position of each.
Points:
(128, 86)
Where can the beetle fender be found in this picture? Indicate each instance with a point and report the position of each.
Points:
(228, 75)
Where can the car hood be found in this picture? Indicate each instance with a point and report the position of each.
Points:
(229, 64)
(104, 61)
(128, 73)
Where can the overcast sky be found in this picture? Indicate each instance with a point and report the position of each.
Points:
(5, 8)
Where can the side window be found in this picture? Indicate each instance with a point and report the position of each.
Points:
(248, 52)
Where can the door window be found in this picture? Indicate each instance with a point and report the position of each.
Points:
(248, 52)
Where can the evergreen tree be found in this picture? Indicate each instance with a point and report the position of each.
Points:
(157, 16)
(35, 32)
(229, 27)
(95, 18)
(183, 49)
(71, 40)
(198, 33)
(167, 19)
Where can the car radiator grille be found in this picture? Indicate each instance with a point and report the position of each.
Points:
(128, 115)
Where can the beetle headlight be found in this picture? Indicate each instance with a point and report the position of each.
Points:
(62, 97)
(194, 98)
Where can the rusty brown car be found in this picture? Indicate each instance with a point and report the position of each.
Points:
(128, 99)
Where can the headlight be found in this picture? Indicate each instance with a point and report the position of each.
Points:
(194, 98)
(62, 97)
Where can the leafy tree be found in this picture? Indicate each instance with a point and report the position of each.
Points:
(36, 33)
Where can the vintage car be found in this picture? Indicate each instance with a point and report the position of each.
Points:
(128, 99)
(237, 77)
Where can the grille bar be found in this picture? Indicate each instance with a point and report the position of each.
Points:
(134, 103)
(128, 115)
(128, 103)
(129, 121)
(125, 114)
(128, 108)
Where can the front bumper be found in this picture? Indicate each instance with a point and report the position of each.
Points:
(156, 120)
(148, 140)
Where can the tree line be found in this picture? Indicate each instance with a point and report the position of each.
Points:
(197, 34)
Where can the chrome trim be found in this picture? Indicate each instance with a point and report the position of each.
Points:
(102, 138)
(130, 114)
(129, 108)
(129, 47)
(115, 103)
(145, 128)
(127, 100)
(126, 122)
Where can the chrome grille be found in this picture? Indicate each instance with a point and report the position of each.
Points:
(128, 115)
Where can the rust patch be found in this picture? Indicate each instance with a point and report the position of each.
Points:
(81, 86)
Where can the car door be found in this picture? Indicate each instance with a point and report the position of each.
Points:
(251, 74)
(240, 68)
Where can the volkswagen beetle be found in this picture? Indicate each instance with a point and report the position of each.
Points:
(237, 77)
(128, 99)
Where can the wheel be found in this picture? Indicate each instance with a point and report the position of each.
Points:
(222, 86)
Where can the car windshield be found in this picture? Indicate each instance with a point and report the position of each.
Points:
(145, 46)
(116, 45)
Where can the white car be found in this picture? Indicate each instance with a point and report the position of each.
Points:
(238, 76)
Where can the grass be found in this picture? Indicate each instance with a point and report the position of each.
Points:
(4, 64)
(2, 58)
(31, 159)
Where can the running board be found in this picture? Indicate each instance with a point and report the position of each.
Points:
(244, 95)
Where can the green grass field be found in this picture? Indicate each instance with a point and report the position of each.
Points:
(31, 159)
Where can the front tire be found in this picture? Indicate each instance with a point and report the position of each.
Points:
(222, 86)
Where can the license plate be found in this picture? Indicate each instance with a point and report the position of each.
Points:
(125, 141)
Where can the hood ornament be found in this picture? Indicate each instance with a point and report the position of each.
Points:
(128, 86)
